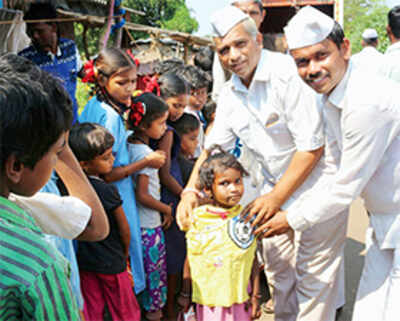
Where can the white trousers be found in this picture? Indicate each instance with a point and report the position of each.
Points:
(306, 271)
(379, 289)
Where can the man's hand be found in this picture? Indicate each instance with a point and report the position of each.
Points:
(189, 201)
(277, 225)
(156, 159)
(263, 208)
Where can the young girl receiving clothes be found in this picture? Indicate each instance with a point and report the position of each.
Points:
(221, 247)
(147, 117)
(175, 92)
(114, 74)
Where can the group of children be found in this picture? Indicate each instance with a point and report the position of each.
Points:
(137, 152)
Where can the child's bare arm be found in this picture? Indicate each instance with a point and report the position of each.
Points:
(143, 196)
(166, 178)
(123, 226)
(255, 294)
(155, 160)
(78, 185)
(185, 295)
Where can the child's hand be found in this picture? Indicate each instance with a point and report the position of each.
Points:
(254, 305)
(167, 218)
(184, 301)
(156, 159)
(255, 308)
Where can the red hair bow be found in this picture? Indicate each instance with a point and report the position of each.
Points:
(136, 113)
(88, 68)
(151, 85)
(135, 60)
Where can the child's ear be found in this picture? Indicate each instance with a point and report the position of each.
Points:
(208, 192)
(84, 165)
(101, 79)
(13, 169)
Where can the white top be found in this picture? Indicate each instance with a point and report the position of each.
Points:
(369, 59)
(364, 113)
(201, 136)
(149, 218)
(63, 216)
(391, 62)
(274, 118)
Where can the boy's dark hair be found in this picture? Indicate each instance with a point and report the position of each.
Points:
(35, 110)
(89, 140)
(394, 21)
(204, 58)
(172, 85)
(186, 124)
(209, 109)
(169, 65)
(337, 34)
(194, 76)
(217, 162)
(154, 106)
(40, 10)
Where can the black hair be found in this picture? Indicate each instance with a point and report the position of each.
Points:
(394, 21)
(154, 107)
(186, 124)
(169, 65)
(35, 110)
(209, 109)
(41, 11)
(204, 58)
(337, 34)
(172, 85)
(371, 41)
(217, 162)
(110, 60)
(194, 76)
(89, 140)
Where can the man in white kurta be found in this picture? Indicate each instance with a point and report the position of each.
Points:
(363, 112)
(369, 57)
(274, 114)
(391, 61)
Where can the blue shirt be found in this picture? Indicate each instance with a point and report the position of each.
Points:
(64, 65)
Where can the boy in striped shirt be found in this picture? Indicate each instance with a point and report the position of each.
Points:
(33, 275)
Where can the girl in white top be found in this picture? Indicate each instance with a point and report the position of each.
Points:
(147, 117)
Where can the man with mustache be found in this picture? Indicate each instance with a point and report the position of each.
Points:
(362, 111)
(274, 114)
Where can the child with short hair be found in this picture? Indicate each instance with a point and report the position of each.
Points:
(147, 118)
(209, 114)
(187, 128)
(103, 264)
(198, 82)
(221, 246)
(35, 282)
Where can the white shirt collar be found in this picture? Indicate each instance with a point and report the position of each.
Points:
(336, 97)
(393, 47)
(262, 73)
(59, 53)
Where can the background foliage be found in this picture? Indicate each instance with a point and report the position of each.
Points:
(362, 14)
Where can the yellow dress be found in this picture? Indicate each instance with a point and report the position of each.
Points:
(220, 249)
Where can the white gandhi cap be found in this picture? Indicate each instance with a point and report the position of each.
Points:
(369, 34)
(223, 20)
(308, 27)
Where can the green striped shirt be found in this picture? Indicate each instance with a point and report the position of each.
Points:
(33, 274)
